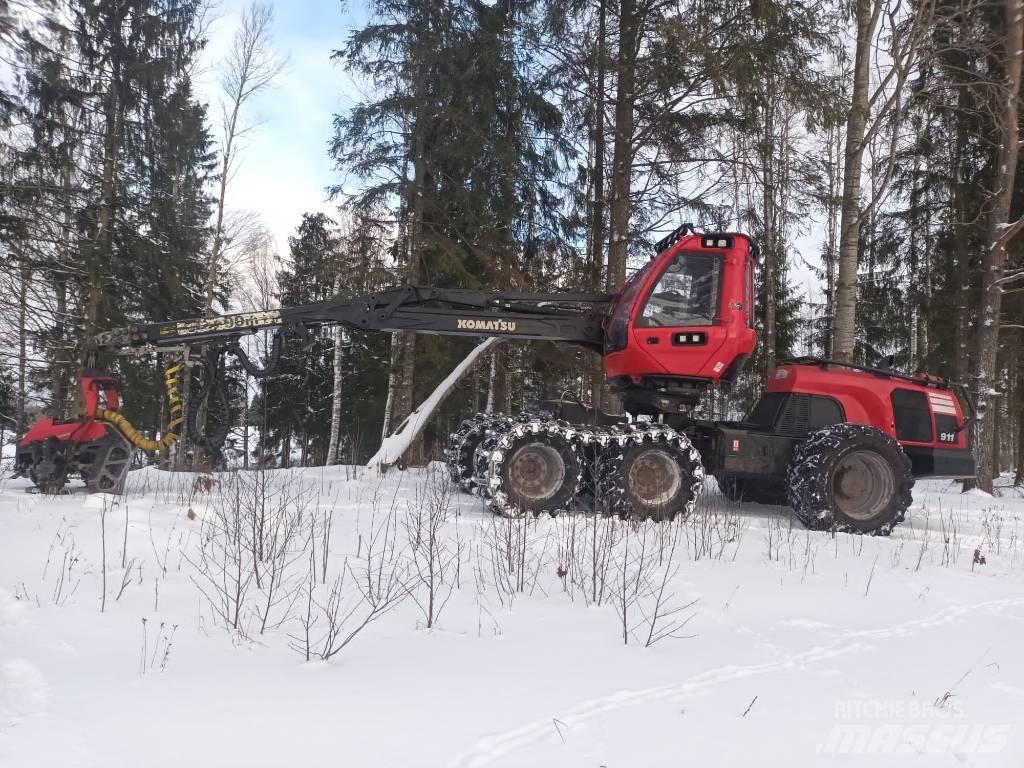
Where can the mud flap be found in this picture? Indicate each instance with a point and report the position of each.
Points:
(104, 463)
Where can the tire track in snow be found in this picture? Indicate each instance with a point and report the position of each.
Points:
(490, 748)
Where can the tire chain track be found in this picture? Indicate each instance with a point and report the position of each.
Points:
(490, 748)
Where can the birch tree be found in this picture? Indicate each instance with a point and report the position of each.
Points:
(889, 41)
(250, 68)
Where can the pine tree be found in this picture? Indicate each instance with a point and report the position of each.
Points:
(295, 403)
(108, 182)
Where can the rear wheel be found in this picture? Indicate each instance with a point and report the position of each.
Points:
(534, 467)
(851, 478)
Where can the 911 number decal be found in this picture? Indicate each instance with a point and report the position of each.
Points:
(947, 437)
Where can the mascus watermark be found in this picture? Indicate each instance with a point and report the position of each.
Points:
(895, 726)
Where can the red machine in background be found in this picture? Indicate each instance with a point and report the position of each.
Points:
(51, 449)
(841, 444)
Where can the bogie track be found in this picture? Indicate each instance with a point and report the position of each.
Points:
(535, 463)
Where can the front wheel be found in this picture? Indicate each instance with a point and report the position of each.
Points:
(851, 478)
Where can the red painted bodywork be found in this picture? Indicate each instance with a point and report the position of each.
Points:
(865, 396)
(649, 351)
(86, 429)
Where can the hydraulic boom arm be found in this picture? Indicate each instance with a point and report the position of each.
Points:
(567, 317)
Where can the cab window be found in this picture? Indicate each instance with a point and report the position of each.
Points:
(616, 332)
(912, 416)
(686, 294)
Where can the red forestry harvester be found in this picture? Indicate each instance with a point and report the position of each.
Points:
(839, 443)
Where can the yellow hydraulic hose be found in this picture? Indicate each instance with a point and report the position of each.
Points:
(170, 437)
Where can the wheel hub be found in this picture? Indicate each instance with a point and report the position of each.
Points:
(655, 478)
(536, 472)
(863, 485)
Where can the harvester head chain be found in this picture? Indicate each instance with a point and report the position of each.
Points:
(463, 442)
(610, 491)
(498, 500)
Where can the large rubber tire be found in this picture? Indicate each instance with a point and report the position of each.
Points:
(462, 445)
(481, 465)
(453, 459)
(744, 490)
(653, 473)
(534, 467)
(850, 478)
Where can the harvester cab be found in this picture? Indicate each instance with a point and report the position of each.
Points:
(683, 322)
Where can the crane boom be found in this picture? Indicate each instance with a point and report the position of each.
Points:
(566, 317)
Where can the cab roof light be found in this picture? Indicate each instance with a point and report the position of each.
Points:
(716, 241)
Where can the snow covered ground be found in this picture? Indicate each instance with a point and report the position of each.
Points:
(777, 646)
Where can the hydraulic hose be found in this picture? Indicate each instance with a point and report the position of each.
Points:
(214, 388)
(254, 370)
(177, 418)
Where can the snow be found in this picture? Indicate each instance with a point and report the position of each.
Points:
(792, 648)
(22, 691)
(393, 446)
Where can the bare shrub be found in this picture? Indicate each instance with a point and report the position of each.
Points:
(516, 552)
(645, 567)
(365, 590)
(433, 556)
(155, 653)
(585, 550)
(253, 543)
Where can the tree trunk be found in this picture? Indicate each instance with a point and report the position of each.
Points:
(844, 324)
(339, 351)
(993, 260)
(1019, 473)
(403, 344)
(962, 282)
(769, 221)
(21, 423)
(58, 371)
(335, 438)
(497, 382)
(622, 157)
(245, 423)
(103, 240)
(597, 192)
(217, 248)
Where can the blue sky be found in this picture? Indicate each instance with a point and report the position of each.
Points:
(284, 166)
